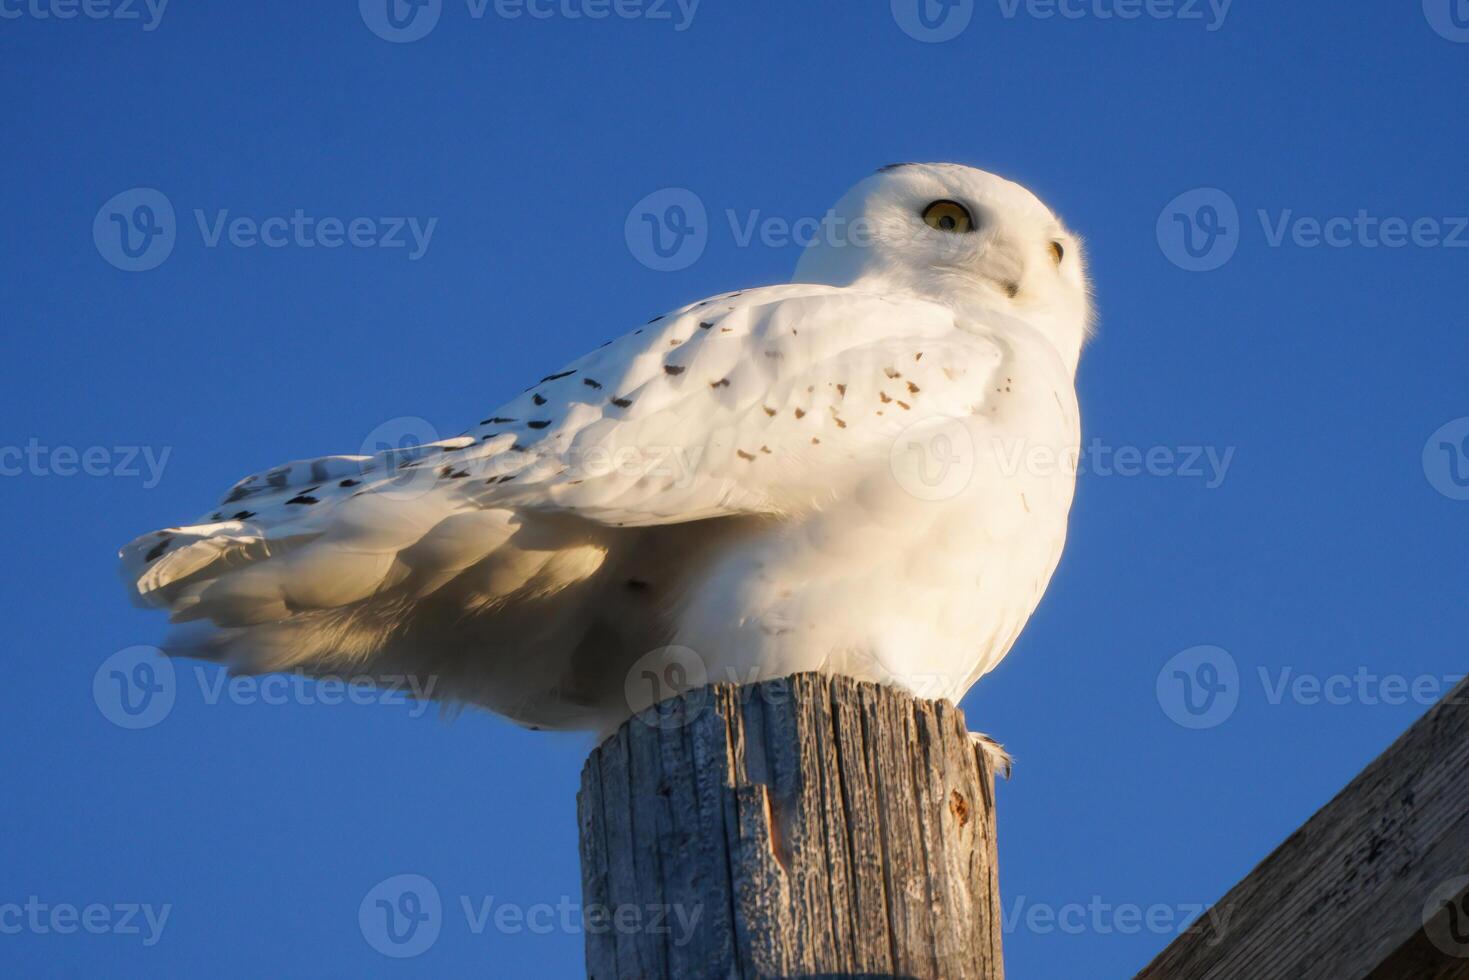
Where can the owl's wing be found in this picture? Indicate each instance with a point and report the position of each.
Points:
(741, 404)
(744, 404)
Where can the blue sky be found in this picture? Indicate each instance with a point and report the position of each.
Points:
(1322, 543)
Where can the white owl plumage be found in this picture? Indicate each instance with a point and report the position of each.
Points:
(861, 473)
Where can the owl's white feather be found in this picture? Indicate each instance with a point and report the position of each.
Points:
(745, 481)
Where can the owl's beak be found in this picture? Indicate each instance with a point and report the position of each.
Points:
(1004, 266)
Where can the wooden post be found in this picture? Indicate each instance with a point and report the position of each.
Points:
(808, 826)
(1375, 885)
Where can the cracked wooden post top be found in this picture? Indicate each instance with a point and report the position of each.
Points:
(807, 826)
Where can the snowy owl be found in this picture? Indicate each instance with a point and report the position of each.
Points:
(862, 472)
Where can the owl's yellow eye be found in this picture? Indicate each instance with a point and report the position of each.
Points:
(1058, 252)
(948, 216)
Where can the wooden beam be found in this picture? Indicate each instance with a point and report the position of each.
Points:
(800, 827)
(1347, 895)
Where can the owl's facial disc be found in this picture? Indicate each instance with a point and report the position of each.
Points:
(991, 244)
(962, 237)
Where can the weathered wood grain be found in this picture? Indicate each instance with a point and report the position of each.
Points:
(810, 826)
(1345, 897)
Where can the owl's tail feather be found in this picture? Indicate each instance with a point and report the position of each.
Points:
(335, 588)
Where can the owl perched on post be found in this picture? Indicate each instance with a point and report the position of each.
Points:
(866, 471)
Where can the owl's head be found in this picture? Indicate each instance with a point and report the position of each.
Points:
(962, 237)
